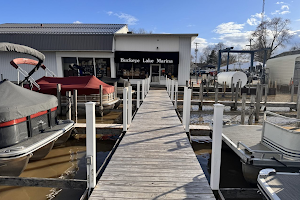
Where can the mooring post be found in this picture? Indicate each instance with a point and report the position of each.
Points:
(266, 93)
(292, 91)
(172, 90)
(232, 89)
(275, 86)
(298, 112)
(125, 110)
(236, 96)
(101, 100)
(58, 95)
(188, 114)
(146, 83)
(91, 169)
(216, 146)
(138, 85)
(69, 105)
(207, 88)
(201, 95)
(252, 100)
(216, 93)
(116, 90)
(257, 105)
(129, 104)
(184, 107)
(143, 90)
(166, 80)
(176, 94)
(149, 81)
(243, 108)
(75, 106)
(240, 88)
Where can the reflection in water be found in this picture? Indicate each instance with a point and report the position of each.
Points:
(67, 161)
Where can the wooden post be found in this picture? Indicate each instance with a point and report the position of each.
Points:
(252, 100)
(184, 107)
(236, 95)
(240, 88)
(275, 86)
(266, 93)
(101, 100)
(232, 89)
(243, 108)
(75, 106)
(201, 95)
(138, 94)
(269, 83)
(68, 106)
(216, 147)
(58, 95)
(188, 110)
(125, 109)
(90, 144)
(298, 92)
(129, 104)
(292, 91)
(176, 94)
(116, 90)
(216, 93)
(207, 88)
(257, 105)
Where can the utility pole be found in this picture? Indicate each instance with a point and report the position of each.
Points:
(196, 51)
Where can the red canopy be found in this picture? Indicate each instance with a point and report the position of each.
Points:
(85, 85)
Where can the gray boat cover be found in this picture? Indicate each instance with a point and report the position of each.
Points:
(17, 102)
(5, 46)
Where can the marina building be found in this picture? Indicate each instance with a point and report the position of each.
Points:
(103, 50)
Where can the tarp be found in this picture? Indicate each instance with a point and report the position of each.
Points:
(17, 102)
(5, 46)
(85, 85)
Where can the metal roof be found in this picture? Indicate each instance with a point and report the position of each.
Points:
(41, 28)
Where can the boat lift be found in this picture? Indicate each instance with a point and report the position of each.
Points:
(229, 50)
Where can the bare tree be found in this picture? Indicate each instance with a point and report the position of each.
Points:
(140, 31)
(271, 33)
(295, 47)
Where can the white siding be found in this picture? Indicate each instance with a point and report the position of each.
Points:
(184, 60)
(10, 73)
(282, 68)
(147, 43)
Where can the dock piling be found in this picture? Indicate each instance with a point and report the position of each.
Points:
(257, 105)
(266, 93)
(58, 95)
(116, 90)
(184, 107)
(243, 108)
(176, 94)
(101, 100)
(252, 100)
(292, 91)
(216, 93)
(236, 96)
(172, 90)
(125, 109)
(232, 89)
(201, 95)
(90, 145)
(129, 104)
(75, 106)
(143, 90)
(138, 94)
(216, 146)
(69, 105)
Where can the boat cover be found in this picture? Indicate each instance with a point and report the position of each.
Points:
(17, 102)
(85, 85)
(5, 46)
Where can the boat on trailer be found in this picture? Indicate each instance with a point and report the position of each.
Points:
(275, 144)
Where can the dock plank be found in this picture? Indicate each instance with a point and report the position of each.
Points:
(154, 159)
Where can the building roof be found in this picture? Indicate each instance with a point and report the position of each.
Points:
(287, 53)
(11, 28)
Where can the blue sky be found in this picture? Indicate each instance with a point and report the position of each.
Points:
(215, 21)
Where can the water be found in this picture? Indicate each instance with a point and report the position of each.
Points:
(67, 161)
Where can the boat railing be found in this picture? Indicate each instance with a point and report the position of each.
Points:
(263, 153)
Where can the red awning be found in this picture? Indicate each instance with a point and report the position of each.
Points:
(85, 85)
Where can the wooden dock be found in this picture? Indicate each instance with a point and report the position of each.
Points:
(154, 159)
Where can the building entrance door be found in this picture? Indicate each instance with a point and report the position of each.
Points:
(155, 73)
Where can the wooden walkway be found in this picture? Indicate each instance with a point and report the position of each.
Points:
(154, 159)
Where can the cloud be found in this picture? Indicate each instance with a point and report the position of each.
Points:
(229, 27)
(285, 7)
(77, 22)
(281, 2)
(128, 19)
(283, 10)
(252, 21)
(190, 25)
(298, 20)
